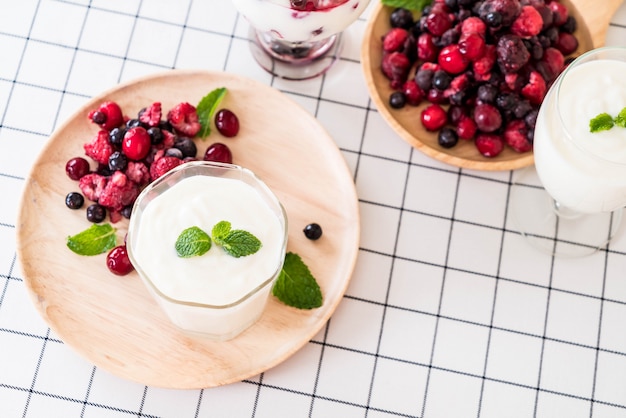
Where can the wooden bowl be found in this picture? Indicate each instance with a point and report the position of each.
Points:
(406, 121)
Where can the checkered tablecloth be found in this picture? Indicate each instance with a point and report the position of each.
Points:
(450, 313)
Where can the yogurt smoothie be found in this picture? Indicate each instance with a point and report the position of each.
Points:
(214, 294)
(301, 20)
(581, 170)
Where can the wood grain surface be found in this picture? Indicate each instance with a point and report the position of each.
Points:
(593, 20)
(111, 320)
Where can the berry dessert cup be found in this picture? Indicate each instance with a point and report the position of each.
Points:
(580, 158)
(298, 39)
(214, 293)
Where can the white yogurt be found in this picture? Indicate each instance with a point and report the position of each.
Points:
(214, 294)
(583, 171)
(285, 23)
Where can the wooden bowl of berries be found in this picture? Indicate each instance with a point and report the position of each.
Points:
(462, 80)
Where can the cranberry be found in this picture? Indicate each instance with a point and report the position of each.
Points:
(394, 39)
(76, 168)
(414, 95)
(452, 60)
(466, 128)
(118, 261)
(136, 143)
(227, 123)
(434, 117)
(487, 117)
(489, 145)
(396, 67)
(426, 49)
(559, 12)
(566, 43)
(218, 152)
(472, 46)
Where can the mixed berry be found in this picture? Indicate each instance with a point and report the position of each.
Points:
(128, 153)
(482, 66)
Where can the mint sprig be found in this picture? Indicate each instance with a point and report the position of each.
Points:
(604, 121)
(236, 242)
(96, 239)
(296, 286)
(620, 119)
(206, 109)
(417, 5)
(193, 241)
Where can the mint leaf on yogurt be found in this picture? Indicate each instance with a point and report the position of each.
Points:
(192, 242)
(96, 239)
(620, 120)
(206, 109)
(296, 286)
(602, 122)
(219, 231)
(236, 242)
(417, 5)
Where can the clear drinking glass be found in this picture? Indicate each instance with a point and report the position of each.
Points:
(298, 39)
(579, 208)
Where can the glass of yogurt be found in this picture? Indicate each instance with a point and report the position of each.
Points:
(583, 172)
(298, 39)
(214, 295)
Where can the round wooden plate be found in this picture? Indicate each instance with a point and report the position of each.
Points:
(406, 121)
(112, 321)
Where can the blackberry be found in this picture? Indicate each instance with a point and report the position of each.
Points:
(96, 213)
(74, 200)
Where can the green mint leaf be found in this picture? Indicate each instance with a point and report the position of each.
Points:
(417, 5)
(239, 243)
(296, 286)
(620, 120)
(220, 231)
(192, 241)
(94, 240)
(206, 109)
(602, 122)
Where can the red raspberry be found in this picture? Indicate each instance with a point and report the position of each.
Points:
(394, 39)
(487, 117)
(184, 118)
(452, 60)
(515, 135)
(163, 165)
(118, 192)
(566, 43)
(151, 115)
(458, 83)
(99, 148)
(551, 64)
(528, 23)
(437, 23)
(434, 117)
(414, 95)
(426, 49)
(482, 66)
(466, 127)
(138, 173)
(489, 145)
(136, 143)
(91, 185)
(473, 24)
(108, 115)
(559, 12)
(536, 88)
(169, 139)
(472, 46)
(396, 67)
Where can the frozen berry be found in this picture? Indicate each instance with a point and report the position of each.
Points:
(487, 117)
(473, 24)
(452, 60)
(151, 116)
(118, 192)
(397, 100)
(76, 168)
(312, 231)
(99, 148)
(174, 152)
(116, 135)
(507, 9)
(536, 88)
(396, 67)
(472, 46)
(156, 135)
(108, 115)
(434, 117)
(487, 93)
(516, 136)
(401, 18)
(412, 92)
(218, 152)
(186, 146)
(566, 43)
(96, 213)
(437, 23)
(493, 19)
(394, 39)
(489, 145)
(570, 25)
(424, 76)
(163, 165)
(559, 12)
(441, 80)
(136, 143)
(466, 128)
(227, 123)
(447, 137)
(426, 49)
(74, 200)
(118, 161)
(133, 123)
(512, 53)
(528, 23)
(118, 262)
(184, 119)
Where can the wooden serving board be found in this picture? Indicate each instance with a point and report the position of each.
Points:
(112, 321)
(597, 16)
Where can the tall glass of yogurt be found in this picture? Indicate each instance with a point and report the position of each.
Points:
(298, 39)
(583, 172)
(214, 295)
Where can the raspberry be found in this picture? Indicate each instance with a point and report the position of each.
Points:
(473, 24)
(551, 64)
(489, 145)
(138, 173)
(512, 53)
(484, 64)
(118, 192)
(458, 84)
(136, 143)
(396, 66)
(487, 117)
(437, 23)
(452, 60)
(559, 13)
(472, 46)
(394, 39)
(184, 119)
(566, 43)
(163, 165)
(151, 115)
(169, 139)
(434, 117)
(528, 23)
(536, 88)
(99, 148)
(108, 115)
(91, 185)
(414, 95)
(466, 127)
(515, 135)
(426, 49)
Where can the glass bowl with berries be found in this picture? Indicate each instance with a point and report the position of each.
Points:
(463, 80)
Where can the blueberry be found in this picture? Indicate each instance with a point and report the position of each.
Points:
(186, 146)
(96, 213)
(447, 137)
(156, 135)
(174, 152)
(126, 211)
(312, 231)
(74, 200)
(522, 108)
(401, 18)
(507, 101)
(570, 25)
(165, 126)
(133, 123)
(397, 100)
(116, 136)
(118, 161)
(441, 80)
(493, 19)
(424, 79)
(487, 93)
